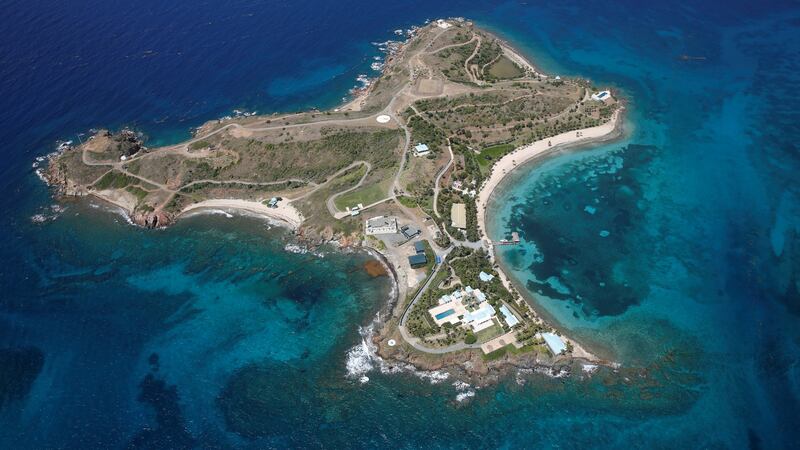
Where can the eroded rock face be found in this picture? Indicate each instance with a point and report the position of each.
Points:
(152, 219)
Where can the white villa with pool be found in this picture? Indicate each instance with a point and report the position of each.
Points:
(464, 306)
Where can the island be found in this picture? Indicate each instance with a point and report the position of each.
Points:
(405, 169)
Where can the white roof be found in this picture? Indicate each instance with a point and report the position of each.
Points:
(482, 314)
(511, 319)
(554, 342)
(485, 276)
(480, 295)
(421, 148)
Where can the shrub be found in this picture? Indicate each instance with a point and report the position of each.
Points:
(470, 338)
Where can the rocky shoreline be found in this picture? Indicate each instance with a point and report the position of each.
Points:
(468, 365)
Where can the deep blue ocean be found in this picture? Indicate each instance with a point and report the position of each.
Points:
(674, 251)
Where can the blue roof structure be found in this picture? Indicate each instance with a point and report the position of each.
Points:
(554, 342)
(419, 246)
(511, 319)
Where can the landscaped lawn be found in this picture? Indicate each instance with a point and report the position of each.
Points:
(489, 155)
(364, 195)
(489, 333)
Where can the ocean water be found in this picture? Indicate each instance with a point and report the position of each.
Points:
(674, 251)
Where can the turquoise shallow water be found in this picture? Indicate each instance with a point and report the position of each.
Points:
(213, 334)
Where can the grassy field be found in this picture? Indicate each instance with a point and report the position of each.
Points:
(489, 333)
(406, 201)
(197, 145)
(365, 195)
(114, 180)
(489, 155)
(504, 69)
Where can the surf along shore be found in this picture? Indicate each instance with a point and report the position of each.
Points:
(523, 158)
(447, 86)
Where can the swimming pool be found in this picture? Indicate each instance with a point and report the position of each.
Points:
(444, 314)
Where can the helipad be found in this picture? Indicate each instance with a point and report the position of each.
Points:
(383, 118)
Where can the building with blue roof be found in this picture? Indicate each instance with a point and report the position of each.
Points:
(554, 343)
(511, 319)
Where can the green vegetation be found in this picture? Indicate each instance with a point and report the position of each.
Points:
(489, 333)
(451, 61)
(408, 202)
(488, 52)
(425, 132)
(197, 145)
(138, 192)
(489, 155)
(317, 215)
(364, 195)
(498, 354)
(519, 113)
(503, 69)
(466, 264)
(470, 338)
(114, 180)
(312, 160)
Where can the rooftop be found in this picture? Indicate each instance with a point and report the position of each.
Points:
(554, 343)
(458, 214)
(383, 221)
(511, 319)
(480, 315)
(418, 259)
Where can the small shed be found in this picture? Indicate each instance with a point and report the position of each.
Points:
(419, 246)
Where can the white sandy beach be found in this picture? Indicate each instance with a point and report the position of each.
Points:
(519, 156)
(285, 212)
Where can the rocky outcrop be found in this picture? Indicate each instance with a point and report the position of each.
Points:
(152, 219)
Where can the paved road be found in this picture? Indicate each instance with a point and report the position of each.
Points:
(330, 203)
(415, 342)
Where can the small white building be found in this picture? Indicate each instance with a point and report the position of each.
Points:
(421, 150)
(356, 210)
(485, 277)
(380, 225)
